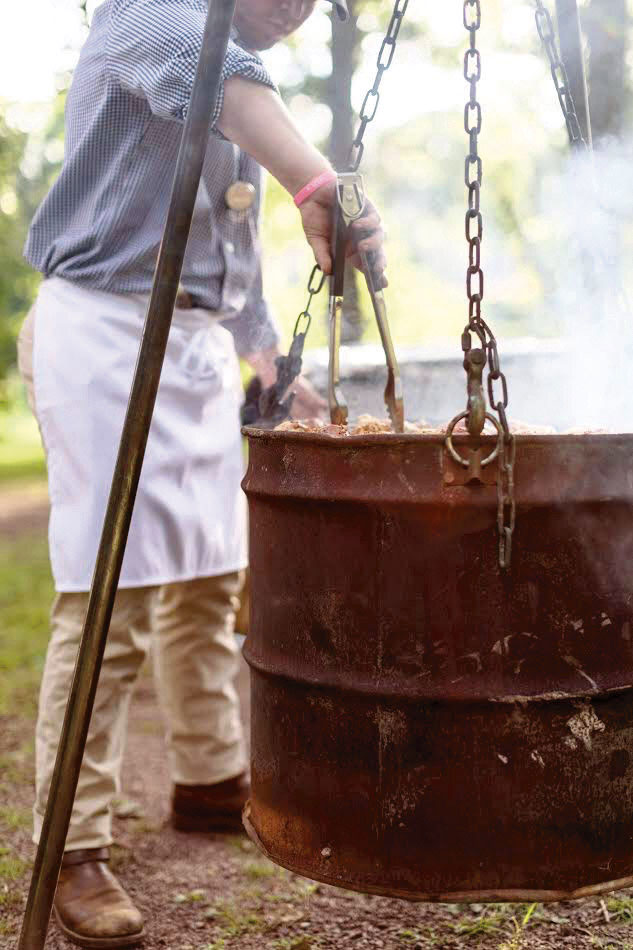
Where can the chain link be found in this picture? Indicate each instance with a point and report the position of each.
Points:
(272, 408)
(473, 171)
(474, 228)
(506, 503)
(315, 286)
(546, 31)
(371, 100)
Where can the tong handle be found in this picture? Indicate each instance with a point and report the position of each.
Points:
(349, 207)
(393, 390)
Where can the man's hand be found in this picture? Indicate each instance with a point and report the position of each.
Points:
(307, 404)
(366, 233)
(254, 117)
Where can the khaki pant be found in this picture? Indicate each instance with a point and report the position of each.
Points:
(190, 626)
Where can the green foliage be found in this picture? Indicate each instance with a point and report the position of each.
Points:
(28, 165)
(490, 921)
(21, 453)
(621, 908)
(15, 276)
(26, 592)
(258, 870)
(237, 919)
(14, 818)
(304, 942)
(519, 925)
(11, 867)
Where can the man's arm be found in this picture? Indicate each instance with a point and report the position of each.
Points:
(152, 51)
(255, 118)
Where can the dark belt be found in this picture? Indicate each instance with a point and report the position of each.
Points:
(186, 301)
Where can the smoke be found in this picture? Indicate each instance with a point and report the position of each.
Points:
(591, 206)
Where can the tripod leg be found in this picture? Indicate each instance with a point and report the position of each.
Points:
(126, 477)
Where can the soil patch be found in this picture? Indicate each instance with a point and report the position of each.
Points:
(23, 509)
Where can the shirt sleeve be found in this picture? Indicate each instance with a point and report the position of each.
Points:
(152, 51)
(255, 329)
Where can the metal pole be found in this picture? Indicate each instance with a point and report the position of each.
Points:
(126, 477)
(571, 50)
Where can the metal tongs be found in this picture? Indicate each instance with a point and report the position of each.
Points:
(349, 207)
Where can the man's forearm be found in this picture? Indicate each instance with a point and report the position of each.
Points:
(254, 117)
(263, 362)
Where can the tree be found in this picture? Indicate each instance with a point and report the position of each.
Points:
(607, 27)
(20, 194)
(15, 275)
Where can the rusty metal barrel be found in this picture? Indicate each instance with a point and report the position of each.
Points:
(425, 725)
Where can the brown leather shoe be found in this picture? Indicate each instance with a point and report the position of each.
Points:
(210, 807)
(91, 908)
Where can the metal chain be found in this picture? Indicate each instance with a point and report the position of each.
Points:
(547, 34)
(473, 177)
(271, 407)
(313, 289)
(370, 102)
(506, 503)
(546, 31)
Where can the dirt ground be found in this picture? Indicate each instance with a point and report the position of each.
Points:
(201, 892)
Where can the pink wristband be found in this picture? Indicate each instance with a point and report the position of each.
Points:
(323, 179)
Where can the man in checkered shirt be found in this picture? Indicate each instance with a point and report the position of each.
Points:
(95, 240)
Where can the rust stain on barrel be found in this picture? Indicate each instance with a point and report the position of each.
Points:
(423, 724)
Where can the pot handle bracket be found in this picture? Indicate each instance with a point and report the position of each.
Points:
(475, 415)
(473, 468)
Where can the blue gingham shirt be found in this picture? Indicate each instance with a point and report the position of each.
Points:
(102, 221)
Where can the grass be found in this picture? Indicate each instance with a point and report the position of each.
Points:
(236, 920)
(258, 870)
(515, 942)
(498, 919)
(26, 592)
(15, 818)
(28, 469)
(11, 867)
(16, 765)
(490, 921)
(197, 896)
(21, 453)
(304, 942)
(621, 909)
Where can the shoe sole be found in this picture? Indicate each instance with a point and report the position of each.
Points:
(207, 825)
(98, 943)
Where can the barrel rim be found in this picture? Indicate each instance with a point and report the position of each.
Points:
(500, 895)
(430, 438)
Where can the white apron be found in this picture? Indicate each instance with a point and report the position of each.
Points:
(190, 517)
